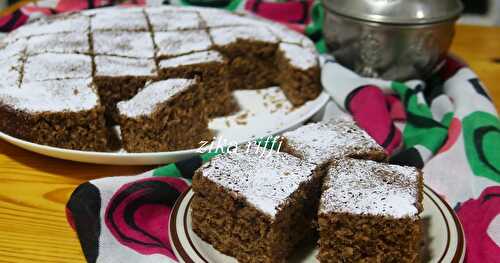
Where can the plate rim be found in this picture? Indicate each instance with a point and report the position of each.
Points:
(181, 253)
(322, 99)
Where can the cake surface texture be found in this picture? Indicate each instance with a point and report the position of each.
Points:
(254, 206)
(369, 212)
(121, 49)
(326, 141)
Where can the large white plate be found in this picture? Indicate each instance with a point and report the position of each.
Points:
(263, 113)
(443, 235)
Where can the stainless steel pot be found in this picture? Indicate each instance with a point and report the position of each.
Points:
(390, 39)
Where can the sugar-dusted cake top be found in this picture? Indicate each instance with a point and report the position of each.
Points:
(120, 43)
(153, 94)
(74, 42)
(173, 20)
(55, 24)
(15, 47)
(298, 56)
(130, 19)
(111, 66)
(221, 18)
(228, 35)
(192, 59)
(265, 179)
(10, 70)
(369, 188)
(52, 96)
(48, 66)
(181, 42)
(286, 35)
(323, 141)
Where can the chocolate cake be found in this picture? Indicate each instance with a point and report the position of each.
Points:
(323, 142)
(165, 115)
(253, 205)
(120, 50)
(65, 113)
(369, 212)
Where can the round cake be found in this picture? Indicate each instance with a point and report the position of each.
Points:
(158, 73)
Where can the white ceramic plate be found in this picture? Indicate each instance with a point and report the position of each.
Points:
(444, 238)
(263, 113)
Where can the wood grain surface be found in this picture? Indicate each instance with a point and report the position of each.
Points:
(34, 188)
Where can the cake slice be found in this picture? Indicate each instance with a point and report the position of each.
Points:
(171, 20)
(174, 43)
(327, 141)
(74, 42)
(210, 68)
(61, 23)
(61, 113)
(165, 115)
(123, 19)
(369, 212)
(51, 66)
(255, 205)
(123, 43)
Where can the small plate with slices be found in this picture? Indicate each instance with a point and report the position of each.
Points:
(262, 113)
(443, 235)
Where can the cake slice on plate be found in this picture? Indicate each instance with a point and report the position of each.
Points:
(165, 115)
(369, 212)
(64, 113)
(327, 141)
(253, 205)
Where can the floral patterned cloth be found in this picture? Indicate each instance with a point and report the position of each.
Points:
(447, 125)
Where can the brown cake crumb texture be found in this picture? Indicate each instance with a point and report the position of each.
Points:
(254, 209)
(128, 48)
(367, 212)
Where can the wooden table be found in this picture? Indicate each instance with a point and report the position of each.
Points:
(34, 188)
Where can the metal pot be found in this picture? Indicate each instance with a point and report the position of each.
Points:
(390, 39)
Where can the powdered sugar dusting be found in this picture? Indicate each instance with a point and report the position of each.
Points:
(285, 34)
(298, 56)
(191, 59)
(54, 24)
(227, 35)
(168, 20)
(121, 66)
(59, 43)
(181, 42)
(219, 18)
(57, 66)
(154, 93)
(323, 141)
(120, 19)
(51, 96)
(12, 48)
(120, 43)
(10, 69)
(265, 181)
(370, 188)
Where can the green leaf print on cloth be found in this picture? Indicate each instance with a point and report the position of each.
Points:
(421, 128)
(482, 144)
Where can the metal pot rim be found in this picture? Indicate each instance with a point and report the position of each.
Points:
(393, 21)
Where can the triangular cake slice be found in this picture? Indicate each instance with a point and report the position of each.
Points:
(165, 115)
